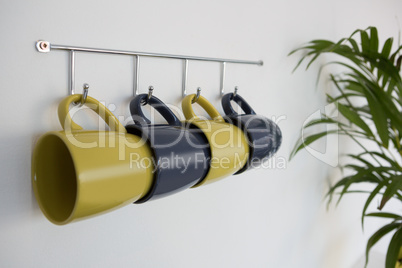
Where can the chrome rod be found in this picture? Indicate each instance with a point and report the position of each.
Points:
(44, 46)
(136, 75)
(72, 72)
(223, 73)
(185, 76)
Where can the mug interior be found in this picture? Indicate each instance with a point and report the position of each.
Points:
(55, 178)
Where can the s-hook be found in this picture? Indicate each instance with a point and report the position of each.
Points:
(150, 91)
(235, 92)
(195, 99)
(84, 95)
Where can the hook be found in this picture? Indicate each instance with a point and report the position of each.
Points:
(84, 95)
(195, 99)
(150, 90)
(235, 92)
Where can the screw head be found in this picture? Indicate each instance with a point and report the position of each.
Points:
(43, 46)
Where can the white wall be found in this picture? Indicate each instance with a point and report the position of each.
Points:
(263, 218)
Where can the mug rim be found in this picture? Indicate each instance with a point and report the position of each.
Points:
(38, 147)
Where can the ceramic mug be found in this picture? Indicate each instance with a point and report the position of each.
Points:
(181, 154)
(263, 136)
(79, 173)
(228, 145)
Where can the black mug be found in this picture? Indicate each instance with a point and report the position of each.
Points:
(263, 136)
(180, 156)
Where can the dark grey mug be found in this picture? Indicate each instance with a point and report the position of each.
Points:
(181, 156)
(263, 136)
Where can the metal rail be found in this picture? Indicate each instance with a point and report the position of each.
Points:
(45, 46)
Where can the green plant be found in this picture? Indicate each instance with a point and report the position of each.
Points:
(369, 97)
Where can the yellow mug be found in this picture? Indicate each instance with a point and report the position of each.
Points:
(79, 173)
(228, 145)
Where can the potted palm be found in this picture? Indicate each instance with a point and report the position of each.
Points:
(369, 98)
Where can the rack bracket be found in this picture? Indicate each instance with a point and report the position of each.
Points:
(43, 46)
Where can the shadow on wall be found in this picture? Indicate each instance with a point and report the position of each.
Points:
(16, 188)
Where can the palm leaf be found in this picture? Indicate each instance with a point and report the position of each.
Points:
(386, 49)
(325, 120)
(363, 175)
(354, 117)
(371, 197)
(384, 157)
(392, 189)
(308, 140)
(377, 236)
(394, 248)
(384, 215)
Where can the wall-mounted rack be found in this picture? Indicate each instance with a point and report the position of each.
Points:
(45, 46)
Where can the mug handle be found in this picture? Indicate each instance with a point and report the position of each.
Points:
(67, 122)
(227, 106)
(204, 103)
(139, 117)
